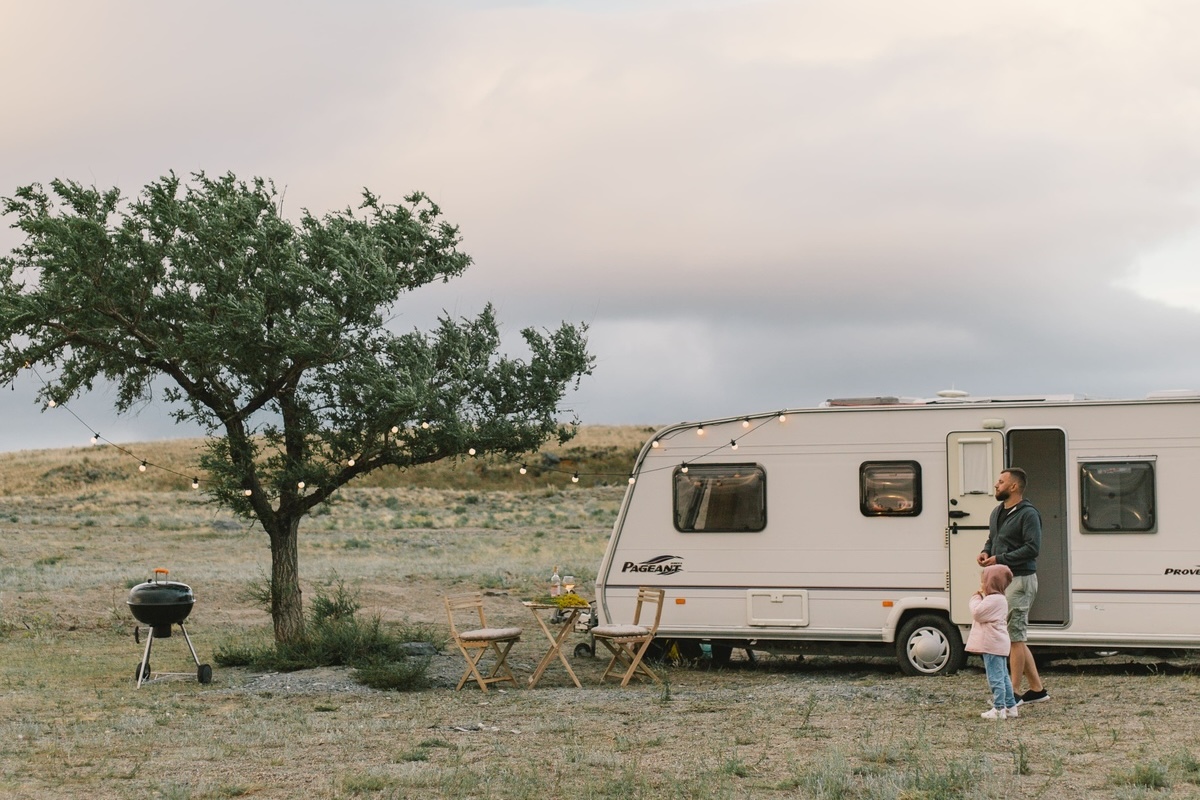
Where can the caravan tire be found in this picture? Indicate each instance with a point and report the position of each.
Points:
(929, 645)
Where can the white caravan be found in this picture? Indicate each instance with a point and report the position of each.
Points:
(854, 526)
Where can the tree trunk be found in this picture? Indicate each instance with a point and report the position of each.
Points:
(287, 610)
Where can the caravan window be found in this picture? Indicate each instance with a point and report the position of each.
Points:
(889, 488)
(720, 498)
(1117, 496)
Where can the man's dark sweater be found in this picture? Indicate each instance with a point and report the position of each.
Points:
(1015, 537)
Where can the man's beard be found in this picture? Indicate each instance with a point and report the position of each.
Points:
(1003, 495)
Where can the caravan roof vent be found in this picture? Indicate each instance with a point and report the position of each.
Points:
(953, 394)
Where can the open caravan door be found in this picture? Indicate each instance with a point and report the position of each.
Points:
(974, 460)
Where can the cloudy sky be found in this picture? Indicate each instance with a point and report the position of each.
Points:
(753, 205)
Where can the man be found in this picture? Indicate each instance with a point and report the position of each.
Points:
(1014, 540)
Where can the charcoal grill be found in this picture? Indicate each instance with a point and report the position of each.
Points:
(161, 604)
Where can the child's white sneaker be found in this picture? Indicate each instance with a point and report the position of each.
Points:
(1011, 713)
(994, 713)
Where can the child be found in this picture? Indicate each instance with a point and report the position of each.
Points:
(989, 638)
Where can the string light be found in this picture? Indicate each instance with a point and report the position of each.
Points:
(733, 444)
(350, 462)
(142, 467)
(782, 416)
(95, 438)
(700, 430)
(470, 451)
(523, 469)
(745, 422)
(51, 404)
(195, 483)
(247, 492)
(655, 443)
(395, 429)
(425, 424)
(300, 485)
(575, 478)
(684, 468)
(631, 479)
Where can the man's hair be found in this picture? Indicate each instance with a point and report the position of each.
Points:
(1019, 476)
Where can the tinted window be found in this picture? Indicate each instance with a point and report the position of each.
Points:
(1117, 496)
(718, 498)
(889, 488)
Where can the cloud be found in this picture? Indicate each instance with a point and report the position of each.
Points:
(753, 204)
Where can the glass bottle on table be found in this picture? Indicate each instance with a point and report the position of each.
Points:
(555, 584)
(568, 584)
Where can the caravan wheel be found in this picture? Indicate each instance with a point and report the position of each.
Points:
(929, 645)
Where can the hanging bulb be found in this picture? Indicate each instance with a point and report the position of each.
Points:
(248, 492)
(350, 462)
(195, 483)
(700, 431)
(745, 422)
(654, 443)
(425, 424)
(782, 417)
(50, 404)
(95, 438)
(300, 485)
(575, 478)
(733, 444)
(524, 469)
(471, 451)
(631, 480)
(142, 467)
(684, 468)
(395, 429)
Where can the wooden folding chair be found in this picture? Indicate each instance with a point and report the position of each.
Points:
(628, 643)
(474, 643)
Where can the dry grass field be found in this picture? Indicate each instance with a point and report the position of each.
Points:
(79, 527)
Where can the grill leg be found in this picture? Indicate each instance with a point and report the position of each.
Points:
(188, 639)
(145, 658)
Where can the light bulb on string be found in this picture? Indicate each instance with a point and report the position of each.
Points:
(575, 478)
(745, 422)
(195, 483)
(395, 429)
(142, 467)
(524, 469)
(684, 468)
(425, 424)
(248, 492)
(782, 416)
(350, 462)
(470, 451)
(733, 444)
(631, 479)
(655, 443)
(300, 484)
(700, 430)
(95, 438)
(50, 404)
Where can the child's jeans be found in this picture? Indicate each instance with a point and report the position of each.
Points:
(999, 681)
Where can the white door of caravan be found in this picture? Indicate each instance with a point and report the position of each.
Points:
(974, 460)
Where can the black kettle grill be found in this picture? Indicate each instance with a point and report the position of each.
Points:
(161, 603)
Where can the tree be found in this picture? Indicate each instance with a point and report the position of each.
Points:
(271, 336)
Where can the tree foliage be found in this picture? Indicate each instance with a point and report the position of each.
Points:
(271, 336)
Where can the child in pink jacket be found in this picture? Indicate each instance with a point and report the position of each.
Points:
(989, 638)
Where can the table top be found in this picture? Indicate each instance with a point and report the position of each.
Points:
(535, 605)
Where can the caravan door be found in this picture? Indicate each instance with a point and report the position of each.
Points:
(974, 460)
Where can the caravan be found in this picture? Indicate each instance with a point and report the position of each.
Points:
(854, 527)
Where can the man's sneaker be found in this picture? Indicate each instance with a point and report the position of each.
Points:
(1011, 713)
(994, 713)
(1035, 696)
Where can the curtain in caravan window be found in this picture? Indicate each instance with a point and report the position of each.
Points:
(975, 461)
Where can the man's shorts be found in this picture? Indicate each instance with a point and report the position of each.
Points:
(1020, 596)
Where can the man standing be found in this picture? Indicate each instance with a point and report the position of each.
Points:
(1014, 540)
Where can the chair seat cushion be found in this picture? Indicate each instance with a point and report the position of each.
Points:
(488, 634)
(619, 630)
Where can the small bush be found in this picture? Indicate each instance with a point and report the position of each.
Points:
(335, 636)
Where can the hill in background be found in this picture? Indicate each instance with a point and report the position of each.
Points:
(601, 455)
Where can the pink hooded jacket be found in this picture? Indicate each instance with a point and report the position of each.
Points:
(989, 632)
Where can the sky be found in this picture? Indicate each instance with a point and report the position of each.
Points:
(752, 205)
